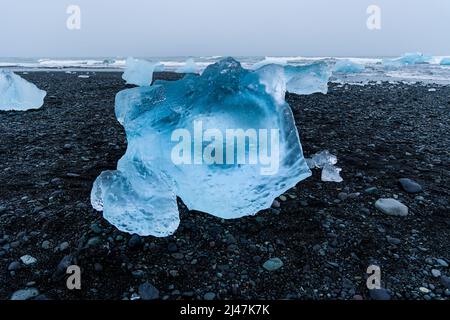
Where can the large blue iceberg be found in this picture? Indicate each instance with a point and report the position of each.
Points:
(17, 93)
(224, 142)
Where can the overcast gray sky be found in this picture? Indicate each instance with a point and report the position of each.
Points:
(37, 28)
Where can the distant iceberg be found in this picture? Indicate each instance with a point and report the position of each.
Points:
(270, 60)
(408, 59)
(445, 61)
(140, 72)
(17, 93)
(189, 67)
(347, 66)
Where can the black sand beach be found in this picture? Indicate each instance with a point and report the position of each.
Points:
(326, 234)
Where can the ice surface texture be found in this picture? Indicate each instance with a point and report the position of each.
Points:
(347, 66)
(140, 196)
(17, 93)
(140, 72)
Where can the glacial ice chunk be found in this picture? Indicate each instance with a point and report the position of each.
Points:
(325, 160)
(17, 93)
(189, 67)
(322, 158)
(347, 66)
(140, 72)
(302, 80)
(219, 141)
(408, 59)
(445, 61)
(330, 173)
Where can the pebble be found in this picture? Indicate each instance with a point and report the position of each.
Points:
(135, 241)
(273, 264)
(172, 247)
(391, 207)
(275, 204)
(148, 292)
(424, 290)
(174, 273)
(138, 274)
(63, 246)
(209, 296)
(72, 175)
(62, 267)
(95, 228)
(371, 190)
(445, 281)
(28, 260)
(379, 294)
(342, 196)
(98, 267)
(410, 186)
(93, 242)
(436, 273)
(442, 262)
(13, 266)
(25, 294)
(393, 241)
(45, 244)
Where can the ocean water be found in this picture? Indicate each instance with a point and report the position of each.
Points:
(374, 72)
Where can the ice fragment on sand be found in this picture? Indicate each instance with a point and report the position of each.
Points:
(325, 160)
(17, 93)
(193, 115)
(330, 173)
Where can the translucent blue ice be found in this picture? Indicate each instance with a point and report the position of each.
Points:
(408, 59)
(178, 145)
(189, 67)
(347, 66)
(306, 79)
(140, 72)
(17, 93)
(445, 61)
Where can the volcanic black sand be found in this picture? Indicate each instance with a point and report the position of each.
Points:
(326, 234)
